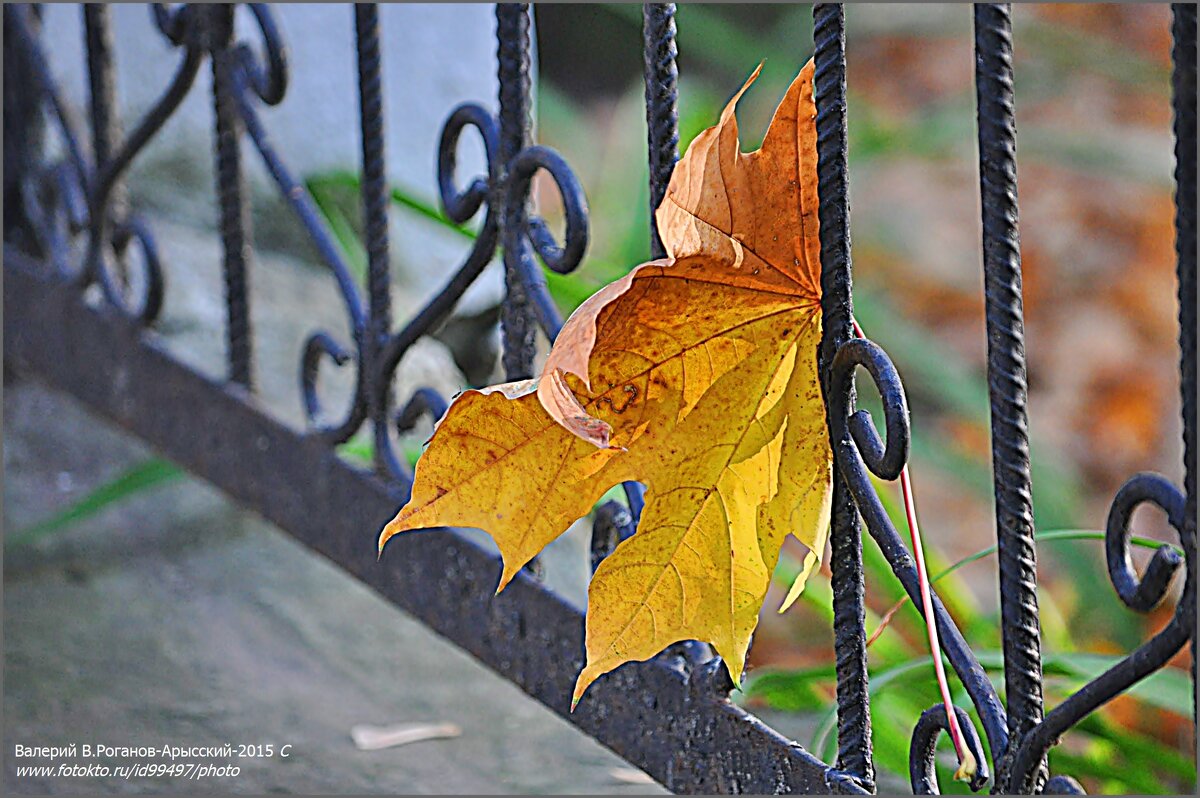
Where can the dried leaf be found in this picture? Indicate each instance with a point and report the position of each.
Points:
(373, 738)
(630, 776)
(694, 374)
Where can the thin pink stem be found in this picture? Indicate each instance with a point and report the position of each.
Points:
(966, 761)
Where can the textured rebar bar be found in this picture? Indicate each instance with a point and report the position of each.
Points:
(102, 86)
(662, 95)
(375, 221)
(1006, 370)
(101, 80)
(516, 318)
(829, 92)
(1183, 54)
(661, 75)
(231, 195)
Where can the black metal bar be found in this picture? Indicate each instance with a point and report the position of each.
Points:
(667, 716)
(1006, 371)
(922, 773)
(23, 25)
(849, 617)
(104, 181)
(1027, 770)
(101, 80)
(306, 211)
(234, 208)
(1183, 54)
(662, 94)
(102, 86)
(375, 224)
(659, 51)
(24, 128)
(689, 740)
(516, 317)
(858, 449)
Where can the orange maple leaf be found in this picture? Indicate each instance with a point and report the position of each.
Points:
(694, 374)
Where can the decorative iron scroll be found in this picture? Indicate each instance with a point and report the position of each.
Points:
(72, 218)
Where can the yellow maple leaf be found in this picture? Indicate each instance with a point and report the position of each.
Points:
(696, 375)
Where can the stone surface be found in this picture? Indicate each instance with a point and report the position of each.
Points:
(176, 618)
(173, 617)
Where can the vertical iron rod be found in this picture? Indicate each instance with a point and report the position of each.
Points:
(849, 618)
(101, 80)
(1007, 385)
(662, 94)
(102, 87)
(375, 220)
(516, 318)
(1183, 54)
(659, 51)
(231, 193)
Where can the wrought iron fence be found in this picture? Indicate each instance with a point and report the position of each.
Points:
(68, 226)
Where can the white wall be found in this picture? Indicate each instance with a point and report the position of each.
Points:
(435, 56)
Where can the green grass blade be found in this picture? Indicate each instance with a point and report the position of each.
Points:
(339, 225)
(1055, 535)
(134, 481)
(400, 196)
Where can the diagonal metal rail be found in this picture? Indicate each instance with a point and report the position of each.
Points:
(680, 732)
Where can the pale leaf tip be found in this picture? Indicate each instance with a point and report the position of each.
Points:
(797, 588)
(966, 768)
(506, 576)
(793, 595)
(588, 675)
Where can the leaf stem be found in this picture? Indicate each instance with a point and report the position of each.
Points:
(966, 761)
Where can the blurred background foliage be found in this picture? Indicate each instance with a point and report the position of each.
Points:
(1095, 162)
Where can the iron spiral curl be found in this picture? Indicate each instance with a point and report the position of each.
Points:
(82, 193)
(251, 80)
(858, 452)
(1140, 594)
(503, 194)
(268, 76)
(460, 206)
(103, 227)
(921, 771)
